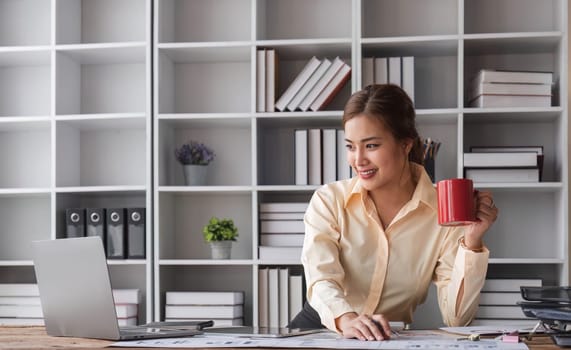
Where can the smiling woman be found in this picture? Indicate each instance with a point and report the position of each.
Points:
(373, 244)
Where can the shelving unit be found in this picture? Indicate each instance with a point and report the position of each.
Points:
(205, 89)
(75, 124)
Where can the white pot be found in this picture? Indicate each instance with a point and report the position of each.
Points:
(220, 249)
(195, 175)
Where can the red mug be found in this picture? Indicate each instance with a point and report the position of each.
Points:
(456, 204)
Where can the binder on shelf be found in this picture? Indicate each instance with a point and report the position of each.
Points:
(261, 81)
(136, 233)
(329, 155)
(314, 157)
(395, 70)
(271, 78)
(115, 233)
(408, 76)
(368, 71)
(381, 70)
(301, 165)
(343, 167)
(95, 218)
(75, 222)
(297, 83)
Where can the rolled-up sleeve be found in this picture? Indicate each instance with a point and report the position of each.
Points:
(459, 269)
(320, 258)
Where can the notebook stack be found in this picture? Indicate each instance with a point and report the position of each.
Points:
(224, 308)
(282, 230)
(127, 306)
(20, 304)
(497, 88)
(504, 164)
(498, 303)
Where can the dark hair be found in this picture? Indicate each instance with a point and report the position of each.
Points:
(390, 105)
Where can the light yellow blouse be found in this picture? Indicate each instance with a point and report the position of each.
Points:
(352, 264)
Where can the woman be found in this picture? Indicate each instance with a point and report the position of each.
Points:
(373, 244)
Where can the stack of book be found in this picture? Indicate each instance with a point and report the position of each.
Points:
(224, 308)
(497, 88)
(280, 296)
(127, 306)
(498, 303)
(315, 86)
(320, 156)
(266, 63)
(282, 230)
(20, 304)
(504, 164)
(394, 70)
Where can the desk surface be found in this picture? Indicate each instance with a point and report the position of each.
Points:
(35, 338)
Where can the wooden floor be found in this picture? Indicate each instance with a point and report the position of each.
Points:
(35, 338)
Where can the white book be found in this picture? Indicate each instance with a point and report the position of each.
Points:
(217, 321)
(301, 150)
(408, 76)
(204, 311)
(282, 216)
(500, 312)
(25, 311)
(127, 296)
(502, 175)
(282, 226)
(334, 68)
(509, 285)
(263, 306)
(484, 101)
(289, 254)
(271, 64)
(309, 85)
(497, 159)
(19, 290)
(20, 300)
(343, 168)
(500, 149)
(129, 321)
(332, 88)
(261, 81)
(395, 70)
(274, 297)
(20, 321)
(126, 310)
(295, 295)
(284, 207)
(283, 275)
(500, 298)
(508, 89)
(282, 239)
(368, 71)
(381, 70)
(522, 77)
(505, 323)
(297, 83)
(314, 156)
(329, 153)
(204, 298)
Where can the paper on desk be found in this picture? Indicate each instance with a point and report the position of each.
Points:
(407, 340)
(490, 330)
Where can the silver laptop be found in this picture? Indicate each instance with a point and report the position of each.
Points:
(76, 295)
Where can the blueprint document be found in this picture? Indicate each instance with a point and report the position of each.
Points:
(329, 340)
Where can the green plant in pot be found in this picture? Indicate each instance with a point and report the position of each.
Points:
(195, 157)
(220, 233)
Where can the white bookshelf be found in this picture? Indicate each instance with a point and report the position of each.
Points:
(75, 124)
(205, 84)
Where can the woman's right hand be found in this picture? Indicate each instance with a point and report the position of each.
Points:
(363, 327)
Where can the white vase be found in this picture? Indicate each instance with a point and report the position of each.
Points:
(195, 175)
(220, 249)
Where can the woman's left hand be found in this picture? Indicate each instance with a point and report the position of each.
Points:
(486, 214)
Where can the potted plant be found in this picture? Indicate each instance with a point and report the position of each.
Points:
(220, 233)
(194, 157)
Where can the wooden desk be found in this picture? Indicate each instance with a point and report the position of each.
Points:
(35, 338)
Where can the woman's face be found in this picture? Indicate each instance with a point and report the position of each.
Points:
(373, 152)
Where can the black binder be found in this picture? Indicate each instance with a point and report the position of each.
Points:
(95, 218)
(136, 233)
(115, 233)
(75, 222)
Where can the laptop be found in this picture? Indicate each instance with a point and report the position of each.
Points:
(76, 295)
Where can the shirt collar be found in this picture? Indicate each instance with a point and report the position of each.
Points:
(424, 191)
